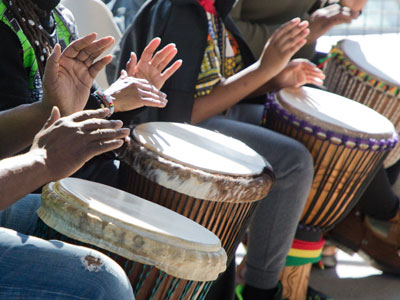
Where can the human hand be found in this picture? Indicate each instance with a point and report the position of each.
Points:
(282, 45)
(298, 72)
(130, 93)
(151, 66)
(323, 19)
(69, 75)
(355, 6)
(65, 144)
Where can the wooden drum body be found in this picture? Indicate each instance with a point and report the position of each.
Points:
(210, 178)
(347, 141)
(165, 255)
(368, 73)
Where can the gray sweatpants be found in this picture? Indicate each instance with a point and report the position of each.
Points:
(274, 223)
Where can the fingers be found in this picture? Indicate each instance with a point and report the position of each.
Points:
(123, 75)
(171, 70)
(99, 65)
(107, 140)
(52, 66)
(163, 57)
(54, 116)
(291, 36)
(94, 50)
(131, 64)
(88, 114)
(73, 49)
(95, 124)
(149, 98)
(150, 48)
(103, 147)
(104, 135)
(145, 87)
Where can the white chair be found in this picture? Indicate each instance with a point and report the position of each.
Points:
(94, 16)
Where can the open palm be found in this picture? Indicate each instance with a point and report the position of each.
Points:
(69, 75)
(151, 66)
(299, 72)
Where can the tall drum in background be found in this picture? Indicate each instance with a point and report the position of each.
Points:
(368, 73)
(348, 141)
(208, 177)
(165, 255)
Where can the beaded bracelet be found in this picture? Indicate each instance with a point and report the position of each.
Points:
(107, 100)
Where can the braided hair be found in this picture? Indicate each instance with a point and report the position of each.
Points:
(27, 14)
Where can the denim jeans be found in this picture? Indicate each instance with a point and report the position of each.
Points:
(32, 268)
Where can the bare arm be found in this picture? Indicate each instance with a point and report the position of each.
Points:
(278, 50)
(66, 84)
(59, 149)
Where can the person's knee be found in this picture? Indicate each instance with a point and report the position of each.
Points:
(296, 161)
(110, 280)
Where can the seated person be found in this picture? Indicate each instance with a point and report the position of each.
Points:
(32, 267)
(24, 50)
(211, 90)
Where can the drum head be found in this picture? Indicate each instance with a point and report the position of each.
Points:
(199, 148)
(121, 222)
(335, 113)
(380, 59)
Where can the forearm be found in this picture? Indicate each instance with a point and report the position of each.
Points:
(20, 175)
(229, 92)
(19, 125)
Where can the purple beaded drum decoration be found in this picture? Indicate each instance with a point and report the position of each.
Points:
(347, 140)
(368, 73)
(208, 177)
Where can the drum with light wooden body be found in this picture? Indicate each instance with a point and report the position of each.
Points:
(368, 73)
(165, 255)
(208, 177)
(348, 141)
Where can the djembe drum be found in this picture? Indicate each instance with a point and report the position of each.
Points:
(348, 141)
(367, 73)
(208, 177)
(165, 255)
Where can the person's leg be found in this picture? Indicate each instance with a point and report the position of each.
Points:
(379, 200)
(275, 221)
(21, 216)
(32, 268)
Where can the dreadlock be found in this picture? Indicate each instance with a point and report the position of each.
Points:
(27, 14)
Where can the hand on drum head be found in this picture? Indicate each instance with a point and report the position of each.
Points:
(298, 72)
(323, 19)
(69, 75)
(151, 66)
(282, 45)
(65, 144)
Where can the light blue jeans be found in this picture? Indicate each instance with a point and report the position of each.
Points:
(32, 268)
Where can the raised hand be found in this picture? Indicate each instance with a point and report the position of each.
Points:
(282, 45)
(323, 19)
(69, 75)
(298, 72)
(355, 5)
(151, 66)
(66, 144)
